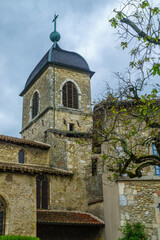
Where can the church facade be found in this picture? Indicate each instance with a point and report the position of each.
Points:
(50, 186)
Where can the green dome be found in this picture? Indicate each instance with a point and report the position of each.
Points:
(55, 36)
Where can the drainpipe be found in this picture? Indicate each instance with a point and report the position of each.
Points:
(54, 105)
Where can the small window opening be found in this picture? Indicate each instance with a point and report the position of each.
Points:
(71, 127)
(21, 156)
(159, 207)
(78, 123)
(94, 166)
(64, 121)
(157, 168)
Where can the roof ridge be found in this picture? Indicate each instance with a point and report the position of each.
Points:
(24, 141)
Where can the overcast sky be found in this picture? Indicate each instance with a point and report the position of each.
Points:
(25, 26)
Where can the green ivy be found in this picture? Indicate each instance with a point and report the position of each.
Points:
(135, 231)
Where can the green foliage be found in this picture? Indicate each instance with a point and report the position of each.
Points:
(144, 4)
(14, 237)
(124, 45)
(113, 22)
(156, 69)
(135, 231)
(139, 20)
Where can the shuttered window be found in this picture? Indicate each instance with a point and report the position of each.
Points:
(35, 104)
(42, 192)
(70, 95)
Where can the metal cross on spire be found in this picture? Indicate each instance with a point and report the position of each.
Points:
(54, 20)
(55, 36)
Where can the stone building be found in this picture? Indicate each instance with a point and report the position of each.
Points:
(128, 199)
(49, 184)
(50, 181)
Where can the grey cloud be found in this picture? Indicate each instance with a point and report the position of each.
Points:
(24, 39)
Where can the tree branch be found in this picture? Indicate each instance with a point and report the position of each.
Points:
(139, 32)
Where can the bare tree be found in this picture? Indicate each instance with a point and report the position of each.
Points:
(127, 122)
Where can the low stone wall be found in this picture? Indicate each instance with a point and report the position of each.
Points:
(139, 201)
(19, 194)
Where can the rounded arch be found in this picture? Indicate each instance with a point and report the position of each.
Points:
(70, 80)
(71, 94)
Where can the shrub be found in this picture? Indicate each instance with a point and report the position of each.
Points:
(135, 231)
(14, 237)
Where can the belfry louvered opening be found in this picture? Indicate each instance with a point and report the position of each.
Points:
(35, 104)
(70, 95)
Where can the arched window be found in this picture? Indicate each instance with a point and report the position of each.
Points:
(2, 216)
(42, 192)
(70, 95)
(35, 104)
(21, 156)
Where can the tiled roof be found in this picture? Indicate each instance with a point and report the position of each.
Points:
(56, 217)
(32, 169)
(21, 141)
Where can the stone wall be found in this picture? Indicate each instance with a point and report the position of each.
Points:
(67, 153)
(65, 116)
(82, 81)
(43, 87)
(97, 209)
(37, 128)
(19, 193)
(9, 153)
(81, 118)
(139, 201)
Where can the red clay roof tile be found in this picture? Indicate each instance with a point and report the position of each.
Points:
(56, 217)
(32, 169)
(22, 141)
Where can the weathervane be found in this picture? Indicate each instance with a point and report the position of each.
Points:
(55, 36)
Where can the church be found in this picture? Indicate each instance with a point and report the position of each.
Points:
(50, 182)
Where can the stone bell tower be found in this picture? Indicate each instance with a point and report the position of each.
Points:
(57, 111)
(57, 94)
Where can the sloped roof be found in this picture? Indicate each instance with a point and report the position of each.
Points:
(59, 57)
(22, 141)
(58, 217)
(32, 169)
